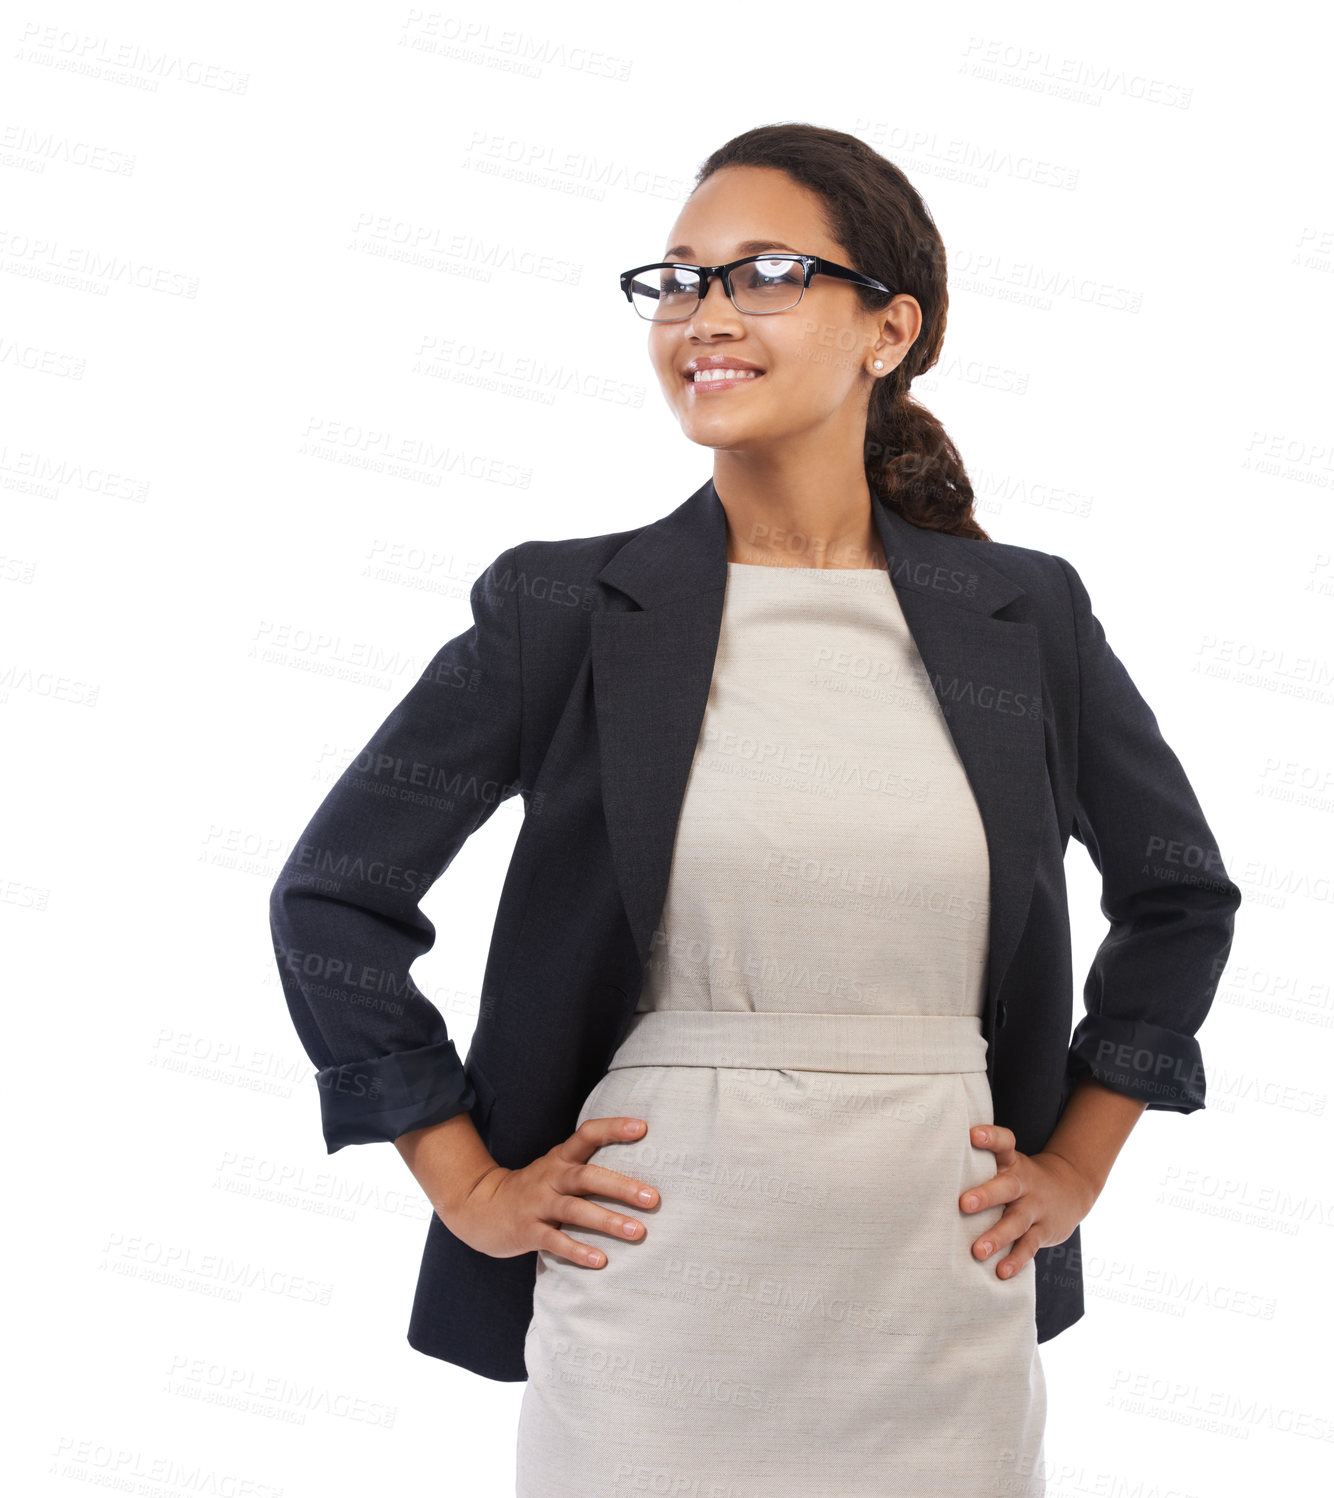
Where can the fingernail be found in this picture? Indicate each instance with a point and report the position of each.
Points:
(646, 1196)
(970, 1202)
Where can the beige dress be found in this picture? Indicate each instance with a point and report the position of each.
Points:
(803, 1315)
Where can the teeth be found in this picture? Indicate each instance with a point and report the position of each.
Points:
(702, 376)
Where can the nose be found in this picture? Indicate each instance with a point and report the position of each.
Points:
(714, 311)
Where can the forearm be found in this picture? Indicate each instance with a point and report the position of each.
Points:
(1092, 1129)
(448, 1160)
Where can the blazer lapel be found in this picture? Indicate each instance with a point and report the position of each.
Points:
(653, 667)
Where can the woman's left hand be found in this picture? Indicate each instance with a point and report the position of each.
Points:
(1047, 1197)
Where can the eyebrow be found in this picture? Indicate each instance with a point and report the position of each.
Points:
(746, 247)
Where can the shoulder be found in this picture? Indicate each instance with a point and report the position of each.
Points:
(1036, 571)
(1047, 578)
(557, 580)
(570, 558)
(548, 586)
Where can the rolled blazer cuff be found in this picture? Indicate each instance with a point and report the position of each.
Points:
(369, 1102)
(1162, 1068)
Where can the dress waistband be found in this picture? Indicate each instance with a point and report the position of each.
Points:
(804, 1041)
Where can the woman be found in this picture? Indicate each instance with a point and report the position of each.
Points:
(799, 764)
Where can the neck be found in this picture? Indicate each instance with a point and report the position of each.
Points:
(816, 518)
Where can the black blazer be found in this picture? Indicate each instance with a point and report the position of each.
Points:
(581, 686)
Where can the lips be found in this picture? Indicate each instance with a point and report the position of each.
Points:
(724, 381)
(708, 363)
(728, 376)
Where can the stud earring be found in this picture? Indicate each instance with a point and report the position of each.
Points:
(879, 363)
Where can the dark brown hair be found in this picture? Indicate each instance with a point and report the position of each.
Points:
(875, 213)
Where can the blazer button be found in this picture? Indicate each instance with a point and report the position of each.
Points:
(1000, 1011)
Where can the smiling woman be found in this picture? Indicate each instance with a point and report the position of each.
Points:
(767, 1163)
(804, 1313)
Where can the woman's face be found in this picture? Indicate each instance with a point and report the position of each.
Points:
(814, 361)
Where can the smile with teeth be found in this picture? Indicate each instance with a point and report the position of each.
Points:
(714, 376)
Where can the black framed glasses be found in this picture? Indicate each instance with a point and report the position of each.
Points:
(669, 291)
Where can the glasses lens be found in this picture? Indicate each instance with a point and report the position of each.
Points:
(770, 284)
(666, 293)
(670, 293)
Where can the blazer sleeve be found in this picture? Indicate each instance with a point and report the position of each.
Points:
(1165, 892)
(345, 911)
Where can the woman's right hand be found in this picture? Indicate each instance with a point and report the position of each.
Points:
(511, 1212)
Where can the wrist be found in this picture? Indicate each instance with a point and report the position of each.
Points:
(1086, 1184)
(448, 1160)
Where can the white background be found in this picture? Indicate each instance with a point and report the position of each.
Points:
(284, 364)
